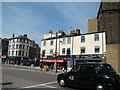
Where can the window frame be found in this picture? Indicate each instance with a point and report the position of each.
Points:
(82, 39)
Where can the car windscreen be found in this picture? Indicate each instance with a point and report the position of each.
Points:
(109, 69)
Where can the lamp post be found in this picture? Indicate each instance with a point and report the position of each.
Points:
(56, 54)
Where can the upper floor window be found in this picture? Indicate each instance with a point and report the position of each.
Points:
(69, 40)
(82, 38)
(44, 43)
(51, 42)
(17, 46)
(20, 46)
(64, 41)
(96, 37)
(12, 52)
(51, 51)
(63, 51)
(13, 46)
(97, 49)
(43, 53)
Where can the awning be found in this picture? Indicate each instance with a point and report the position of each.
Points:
(48, 60)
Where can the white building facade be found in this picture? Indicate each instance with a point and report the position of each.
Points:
(79, 44)
(20, 48)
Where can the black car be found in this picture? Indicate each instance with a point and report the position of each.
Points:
(98, 76)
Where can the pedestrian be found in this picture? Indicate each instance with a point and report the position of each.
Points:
(41, 66)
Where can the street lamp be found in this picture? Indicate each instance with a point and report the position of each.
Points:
(56, 54)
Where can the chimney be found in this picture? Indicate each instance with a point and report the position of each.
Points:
(78, 31)
(61, 32)
(51, 31)
(72, 32)
(13, 35)
(25, 35)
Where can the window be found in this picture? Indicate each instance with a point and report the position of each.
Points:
(27, 47)
(96, 37)
(63, 51)
(9, 46)
(20, 40)
(23, 46)
(87, 69)
(51, 51)
(9, 53)
(16, 53)
(76, 68)
(64, 41)
(44, 43)
(43, 53)
(12, 52)
(68, 51)
(51, 42)
(69, 40)
(13, 46)
(17, 46)
(82, 38)
(26, 54)
(22, 53)
(19, 53)
(20, 46)
(97, 49)
(82, 50)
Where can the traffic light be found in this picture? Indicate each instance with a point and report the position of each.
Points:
(68, 52)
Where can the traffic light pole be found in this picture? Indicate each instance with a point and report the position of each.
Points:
(56, 55)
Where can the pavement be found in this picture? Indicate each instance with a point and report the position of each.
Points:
(35, 68)
(38, 68)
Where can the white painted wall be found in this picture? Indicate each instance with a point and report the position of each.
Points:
(89, 44)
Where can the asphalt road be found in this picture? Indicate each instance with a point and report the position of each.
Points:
(20, 78)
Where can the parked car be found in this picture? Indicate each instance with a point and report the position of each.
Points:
(98, 76)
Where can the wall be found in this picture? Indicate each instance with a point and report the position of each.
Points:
(112, 56)
(92, 25)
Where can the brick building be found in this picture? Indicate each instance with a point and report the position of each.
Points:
(108, 20)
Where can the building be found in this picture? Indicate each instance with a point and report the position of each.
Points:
(4, 48)
(109, 21)
(21, 48)
(92, 25)
(75, 44)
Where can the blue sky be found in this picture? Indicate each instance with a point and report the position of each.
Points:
(36, 18)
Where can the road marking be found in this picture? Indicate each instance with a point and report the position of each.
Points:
(45, 84)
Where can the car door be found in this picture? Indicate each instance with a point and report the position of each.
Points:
(85, 76)
(72, 74)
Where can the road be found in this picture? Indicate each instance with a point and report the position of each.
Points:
(20, 78)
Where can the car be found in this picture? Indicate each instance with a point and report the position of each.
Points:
(98, 76)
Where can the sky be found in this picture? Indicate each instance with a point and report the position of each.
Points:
(36, 18)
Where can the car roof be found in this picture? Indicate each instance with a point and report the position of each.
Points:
(92, 63)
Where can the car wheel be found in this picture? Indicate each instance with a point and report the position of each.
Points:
(62, 83)
(100, 87)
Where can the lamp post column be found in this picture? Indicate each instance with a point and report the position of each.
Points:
(56, 54)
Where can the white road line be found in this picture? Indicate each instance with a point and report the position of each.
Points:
(45, 84)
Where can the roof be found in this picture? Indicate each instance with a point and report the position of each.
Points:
(70, 35)
(92, 63)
